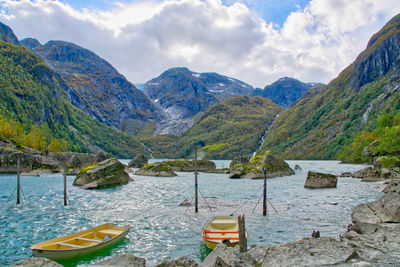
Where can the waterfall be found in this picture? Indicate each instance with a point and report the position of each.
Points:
(263, 135)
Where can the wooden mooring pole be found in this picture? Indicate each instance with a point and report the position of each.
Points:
(18, 181)
(65, 187)
(196, 187)
(242, 234)
(265, 194)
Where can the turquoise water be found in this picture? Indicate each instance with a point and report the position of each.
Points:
(161, 229)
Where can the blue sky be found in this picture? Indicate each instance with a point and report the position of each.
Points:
(256, 41)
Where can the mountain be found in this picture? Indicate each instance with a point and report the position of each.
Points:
(181, 96)
(96, 87)
(285, 91)
(227, 129)
(328, 118)
(7, 34)
(32, 94)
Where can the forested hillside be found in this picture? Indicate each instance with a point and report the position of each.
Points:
(34, 96)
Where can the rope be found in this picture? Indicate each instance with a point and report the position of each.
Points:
(206, 202)
(155, 206)
(257, 203)
(245, 202)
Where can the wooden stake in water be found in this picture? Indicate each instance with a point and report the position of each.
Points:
(242, 234)
(18, 181)
(196, 194)
(65, 187)
(265, 194)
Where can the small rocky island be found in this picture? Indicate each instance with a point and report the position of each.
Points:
(103, 174)
(254, 168)
(169, 167)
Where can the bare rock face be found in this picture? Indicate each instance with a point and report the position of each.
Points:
(124, 260)
(99, 175)
(320, 180)
(36, 262)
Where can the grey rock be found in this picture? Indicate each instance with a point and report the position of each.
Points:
(138, 162)
(236, 173)
(297, 167)
(124, 260)
(101, 155)
(36, 262)
(156, 169)
(106, 173)
(320, 180)
(361, 264)
(367, 173)
(181, 261)
(309, 252)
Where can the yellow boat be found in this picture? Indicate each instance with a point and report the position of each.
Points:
(81, 243)
(221, 229)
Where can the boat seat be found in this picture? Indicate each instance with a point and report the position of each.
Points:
(69, 245)
(89, 239)
(223, 224)
(220, 237)
(220, 232)
(110, 232)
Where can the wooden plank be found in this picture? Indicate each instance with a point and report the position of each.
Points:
(220, 232)
(69, 245)
(89, 239)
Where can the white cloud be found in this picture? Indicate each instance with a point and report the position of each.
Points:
(142, 39)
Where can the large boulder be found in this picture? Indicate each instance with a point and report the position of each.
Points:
(179, 262)
(74, 161)
(36, 262)
(324, 251)
(320, 180)
(184, 165)
(156, 169)
(254, 169)
(99, 175)
(124, 260)
(138, 162)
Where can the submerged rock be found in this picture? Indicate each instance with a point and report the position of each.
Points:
(99, 175)
(138, 162)
(320, 180)
(156, 169)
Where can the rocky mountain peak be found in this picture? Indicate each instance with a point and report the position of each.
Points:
(285, 91)
(30, 43)
(7, 34)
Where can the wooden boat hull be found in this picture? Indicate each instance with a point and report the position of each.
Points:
(81, 243)
(221, 229)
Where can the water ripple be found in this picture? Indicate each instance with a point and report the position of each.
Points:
(161, 229)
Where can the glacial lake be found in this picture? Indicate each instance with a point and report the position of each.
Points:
(163, 230)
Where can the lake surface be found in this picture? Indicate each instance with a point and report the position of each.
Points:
(161, 229)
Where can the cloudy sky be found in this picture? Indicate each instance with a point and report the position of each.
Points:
(257, 41)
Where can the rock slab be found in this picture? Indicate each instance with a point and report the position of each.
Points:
(320, 180)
